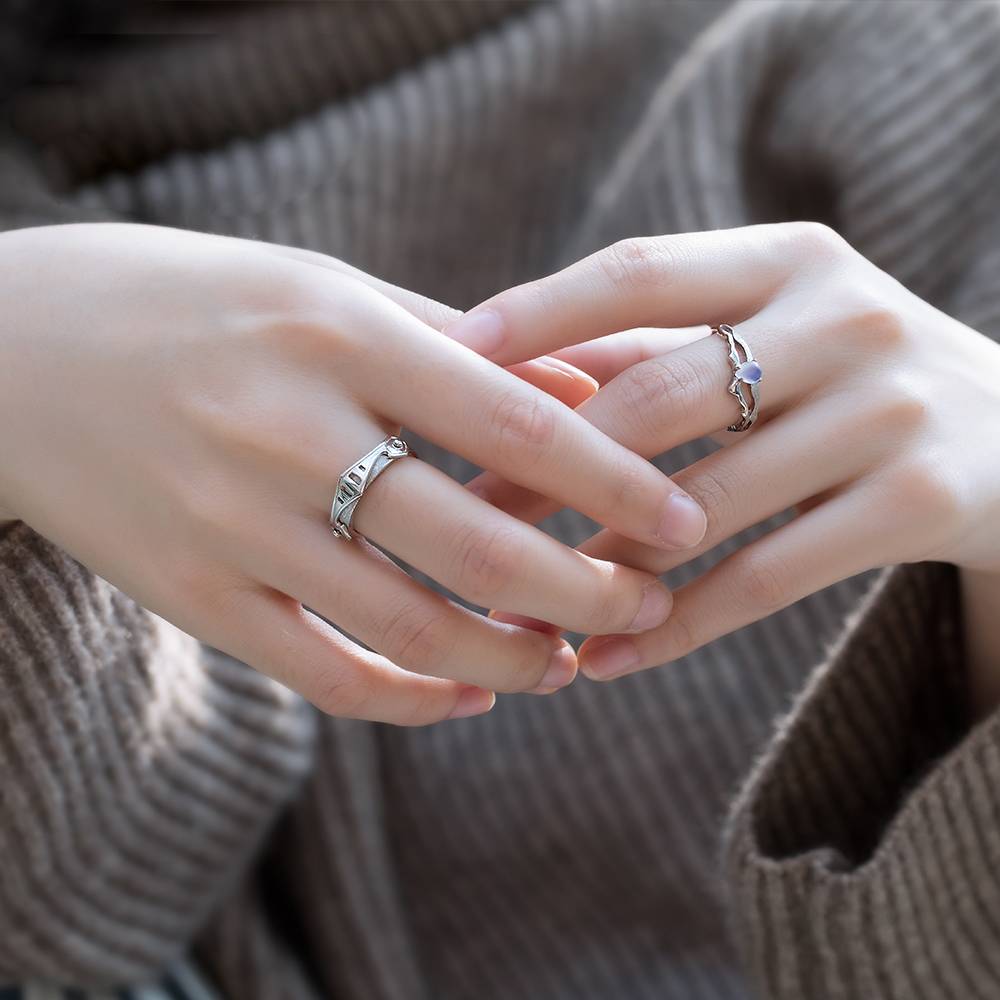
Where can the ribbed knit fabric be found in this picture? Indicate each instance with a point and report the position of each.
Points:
(138, 772)
(565, 847)
(212, 58)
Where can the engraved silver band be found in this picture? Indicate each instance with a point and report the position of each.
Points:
(358, 478)
(747, 375)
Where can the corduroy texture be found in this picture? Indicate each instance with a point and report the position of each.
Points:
(569, 847)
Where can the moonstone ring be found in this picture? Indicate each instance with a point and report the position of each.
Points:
(358, 478)
(747, 375)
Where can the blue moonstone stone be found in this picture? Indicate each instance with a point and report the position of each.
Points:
(750, 372)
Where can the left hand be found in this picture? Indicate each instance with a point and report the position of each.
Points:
(880, 415)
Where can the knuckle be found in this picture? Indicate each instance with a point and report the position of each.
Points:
(294, 331)
(535, 296)
(654, 388)
(714, 493)
(877, 324)
(523, 422)
(524, 670)
(816, 239)
(267, 286)
(761, 583)
(424, 709)
(343, 693)
(865, 312)
(623, 493)
(488, 563)
(416, 639)
(608, 609)
(924, 494)
(902, 410)
(639, 262)
(683, 637)
(306, 323)
(308, 339)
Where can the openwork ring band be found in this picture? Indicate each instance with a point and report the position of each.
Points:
(355, 480)
(747, 375)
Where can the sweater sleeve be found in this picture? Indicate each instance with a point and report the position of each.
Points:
(871, 827)
(139, 771)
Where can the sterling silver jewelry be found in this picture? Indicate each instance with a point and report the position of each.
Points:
(747, 374)
(358, 478)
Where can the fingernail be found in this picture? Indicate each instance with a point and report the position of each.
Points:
(568, 384)
(683, 523)
(565, 368)
(654, 609)
(608, 657)
(481, 330)
(472, 701)
(562, 669)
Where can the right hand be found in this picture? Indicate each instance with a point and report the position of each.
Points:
(176, 409)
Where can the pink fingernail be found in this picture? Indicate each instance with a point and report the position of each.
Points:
(683, 523)
(565, 368)
(605, 658)
(472, 701)
(481, 330)
(655, 608)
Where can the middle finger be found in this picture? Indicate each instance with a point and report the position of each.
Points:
(680, 396)
(493, 560)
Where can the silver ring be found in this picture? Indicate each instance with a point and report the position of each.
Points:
(747, 375)
(356, 479)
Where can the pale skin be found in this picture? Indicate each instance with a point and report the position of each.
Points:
(880, 422)
(176, 409)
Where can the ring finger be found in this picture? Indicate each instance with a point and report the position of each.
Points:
(493, 560)
(375, 602)
(805, 453)
(811, 552)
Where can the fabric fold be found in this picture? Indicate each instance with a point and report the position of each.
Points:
(861, 853)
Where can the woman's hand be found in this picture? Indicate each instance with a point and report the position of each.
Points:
(880, 416)
(176, 410)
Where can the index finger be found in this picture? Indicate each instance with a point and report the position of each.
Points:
(673, 281)
(496, 420)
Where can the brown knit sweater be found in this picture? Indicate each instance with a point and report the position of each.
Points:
(800, 810)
